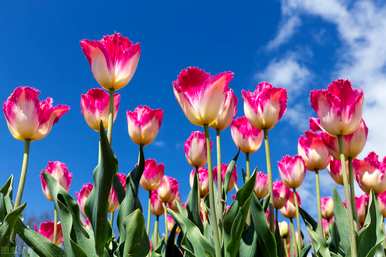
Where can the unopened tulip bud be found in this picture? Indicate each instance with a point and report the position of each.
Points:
(168, 189)
(245, 136)
(361, 203)
(289, 209)
(382, 203)
(203, 181)
(156, 205)
(261, 185)
(327, 207)
(83, 195)
(280, 194)
(195, 149)
(233, 178)
(335, 170)
(59, 171)
(292, 170)
(46, 229)
(113, 196)
(152, 175)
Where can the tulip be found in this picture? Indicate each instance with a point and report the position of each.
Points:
(326, 223)
(265, 106)
(113, 201)
(95, 107)
(246, 137)
(370, 173)
(335, 170)
(361, 203)
(232, 179)
(143, 124)
(200, 94)
(195, 149)
(203, 182)
(59, 171)
(327, 206)
(152, 175)
(171, 222)
(313, 151)
(173, 205)
(83, 195)
(227, 111)
(261, 185)
(283, 229)
(168, 189)
(46, 229)
(292, 170)
(280, 193)
(382, 203)
(156, 205)
(289, 209)
(113, 60)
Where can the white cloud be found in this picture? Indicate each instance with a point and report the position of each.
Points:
(286, 30)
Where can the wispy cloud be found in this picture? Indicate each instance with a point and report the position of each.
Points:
(286, 29)
(159, 143)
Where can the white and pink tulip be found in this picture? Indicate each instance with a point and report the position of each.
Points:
(168, 189)
(227, 112)
(195, 149)
(289, 209)
(313, 151)
(156, 205)
(203, 181)
(261, 185)
(280, 194)
(246, 137)
(292, 170)
(233, 178)
(83, 195)
(152, 175)
(60, 172)
(327, 207)
(46, 229)
(113, 201)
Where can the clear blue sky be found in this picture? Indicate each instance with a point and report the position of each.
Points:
(40, 47)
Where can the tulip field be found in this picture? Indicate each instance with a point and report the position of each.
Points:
(229, 212)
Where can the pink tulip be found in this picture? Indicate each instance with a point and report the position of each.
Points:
(143, 124)
(361, 203)
(313, 151)
(280, 194)
(195, 149)
(261, 185)
(95, 107)
(60, 173)
(382, 203)
(113, 196)
(335, 170)
(200, 94)
(83, 195)
(152, 175)
(327, 206)
(233, 178)
(156, 205)
(113, 60)
(289, 209)
(203, 181)
(173, 205)
(370, 173)
(46, 229)
(227, 112)
(245, 136)
(292, 170)
(27, 117)
(171, 222)
(326, 223)
(168, 189)
(265, 106)
(339, 107)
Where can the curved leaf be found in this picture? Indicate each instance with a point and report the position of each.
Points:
(137, 242)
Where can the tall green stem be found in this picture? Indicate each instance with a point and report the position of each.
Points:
(317, 179)
(219, 178)
(55, 225)
(269, 171)
(23, 173)
(347, 192)
(293, 243)
(212, 206)
(297, 220)
(247, 167)
(148, 215)
(111, 116)
(166, 221)
(156, 224)
(352, 188)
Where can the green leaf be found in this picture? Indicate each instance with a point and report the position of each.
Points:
(193, 206)
(137, 242)
(171, 249)
(318, 243)
(308, 219)
(342, 222)
(304, 251)
(248, 243)
(7, 226)
(228, 173)
(279, 242)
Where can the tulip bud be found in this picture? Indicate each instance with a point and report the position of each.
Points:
(370, 173)
(195, 149)
(27, 117)
(227, 112)
(233, 178)
(113, 196)
(280, 194)
(335, 170)
(265, 106)
(168, 189)
(339, 107)
(327, 207)
(143, 124)
(82, 195)
(203, 181)
(313, 151)
(292, 170)
(200, 94)
(261, 185)
(361, 203)
(59, 171)
(326, 223)
(283, 229)
(382, 203)
(46, 229)
(156, 205)
(173, 205)
(95, 107)
(152, 175)
(246, 137)
(289, 209)
(113, 60)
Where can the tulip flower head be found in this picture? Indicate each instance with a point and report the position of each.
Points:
(156, 205)
(280, 194)
(233, 178)
(313, 151)
(173, 205)
(203, 181)
(265, 106)
(27, 117)
(195, 149)
(382, 203)
(261, 185)
(245, 136)
(292, 170)
(326, 223)
(83, 195)
(283, 229)
(113, 60)
(168, 189)
(370, 173)
(200, 94)
(113, 196)
(289, 209)
(335, 170)
(59, 171)
(361, 203)
(152, 175)
(227, 112)
(46, 229)
(95, 107)
(327, 207)
(171, 222)
(143, 124)
(339, 107)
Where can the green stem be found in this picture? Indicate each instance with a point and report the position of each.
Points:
(111, 116)
(166, 221)
(148, 215)
(347, 192)
(55, 225)
(219, 178)
(247, 167)
(352, 188)
(293, 242)
(112, 223)
(317, 179)
(297, 220)
(23, 173)
(156, 224)
(212, 206)
(269, 171)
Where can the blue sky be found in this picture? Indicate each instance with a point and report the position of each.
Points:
(299, 45)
